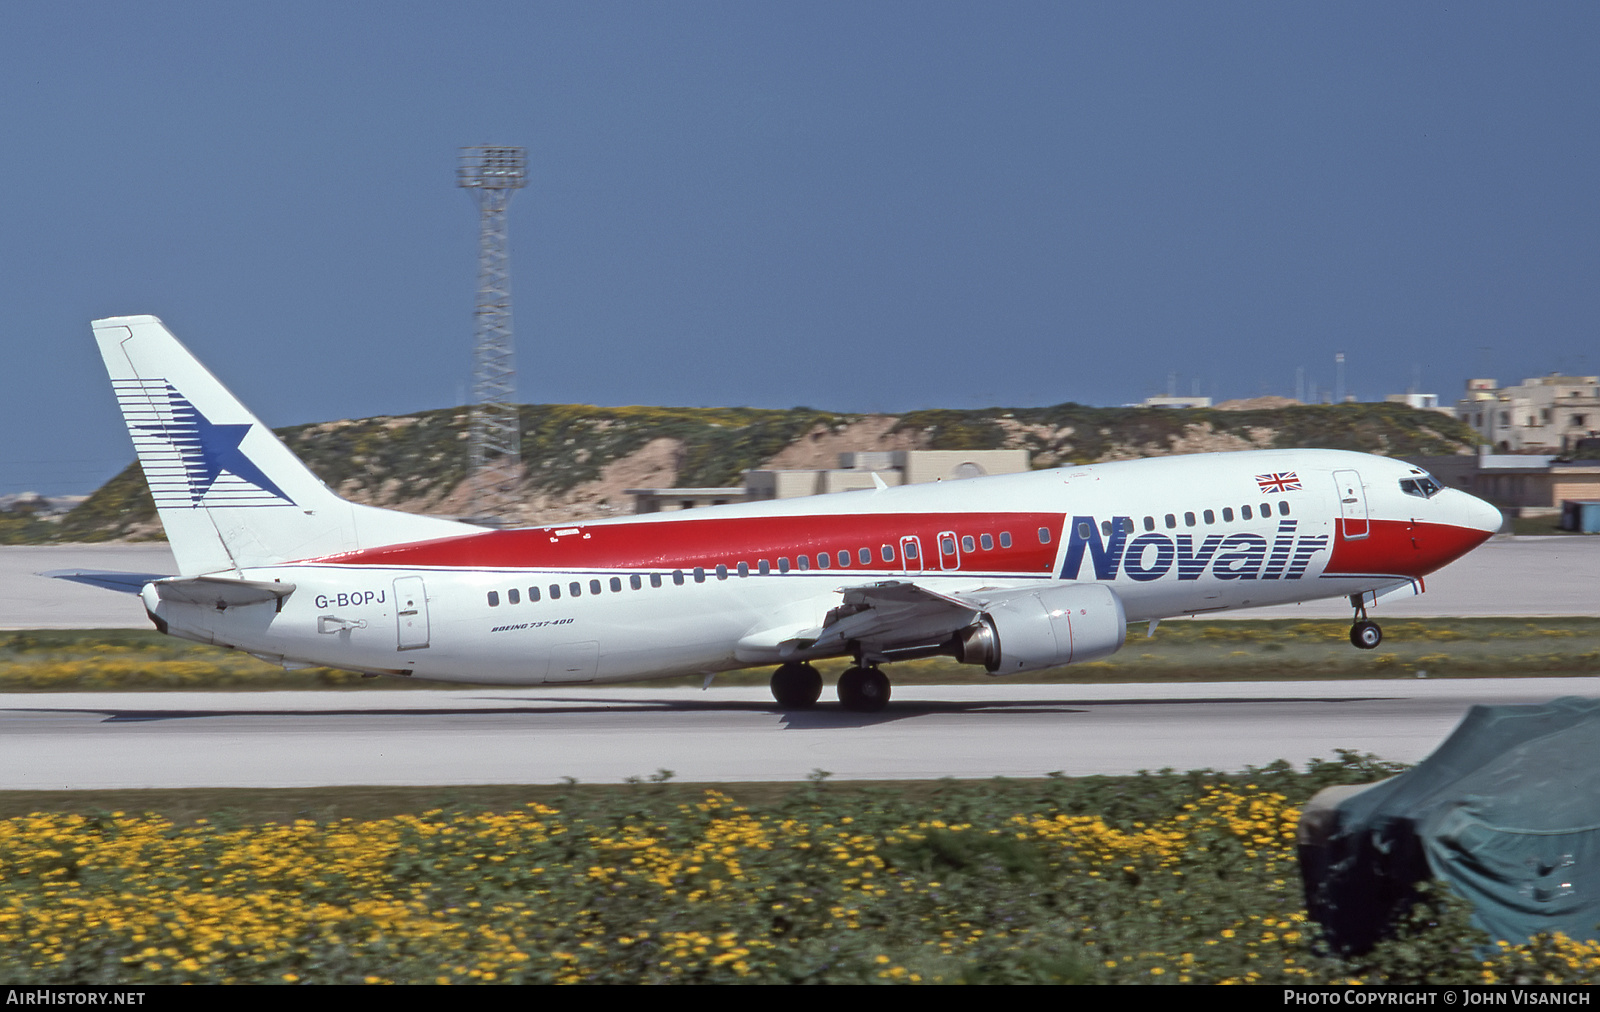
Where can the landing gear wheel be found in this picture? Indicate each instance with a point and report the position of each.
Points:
(796, 686)
(1366, 635)
(865, 690)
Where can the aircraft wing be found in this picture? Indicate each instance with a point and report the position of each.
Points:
(883, 616)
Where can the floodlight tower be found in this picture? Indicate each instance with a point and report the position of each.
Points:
(492, 174)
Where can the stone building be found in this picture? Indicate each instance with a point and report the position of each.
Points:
(1545, 414)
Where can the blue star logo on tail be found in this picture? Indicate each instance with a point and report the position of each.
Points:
(206, 451)
(210, 449)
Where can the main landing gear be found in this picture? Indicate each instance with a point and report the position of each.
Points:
(796, 686)
(864, 689)
(1364, 635)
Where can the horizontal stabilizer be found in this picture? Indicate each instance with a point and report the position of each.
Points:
(220, 591)
(123, 583)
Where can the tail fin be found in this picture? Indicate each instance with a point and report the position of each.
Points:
(229, 494)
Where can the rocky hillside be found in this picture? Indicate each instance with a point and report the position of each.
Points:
(579, 459)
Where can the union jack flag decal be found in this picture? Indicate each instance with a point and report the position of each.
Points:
(1279, 481)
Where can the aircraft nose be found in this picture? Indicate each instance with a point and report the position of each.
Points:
(1481, 515)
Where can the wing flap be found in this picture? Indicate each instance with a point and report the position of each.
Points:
(891, 614)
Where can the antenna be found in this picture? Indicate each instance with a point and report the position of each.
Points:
(495, 442)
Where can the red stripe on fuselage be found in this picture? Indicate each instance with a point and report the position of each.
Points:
(687, 543)
(1400, 547)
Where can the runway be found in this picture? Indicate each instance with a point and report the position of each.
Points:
(593, 734)
(596, 735)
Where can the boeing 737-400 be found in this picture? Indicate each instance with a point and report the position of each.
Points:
(1012, 573)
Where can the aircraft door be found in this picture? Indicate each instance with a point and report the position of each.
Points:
(911, 554)
(411, 613)
(949, 557)
(1352, 505)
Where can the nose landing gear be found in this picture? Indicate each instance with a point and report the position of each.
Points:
(1364, 635)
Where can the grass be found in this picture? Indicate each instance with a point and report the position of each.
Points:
(1249, 650)
(1156, 878)
(1538, 526)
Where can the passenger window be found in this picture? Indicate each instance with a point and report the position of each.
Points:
(887, 552)
(722, 571)
(804, 562)
(844, 558)
(1283, 509)
(636, 582)
(1149, 523)
(533, 594)
(1105, 528)
(1084, 529)
(494, 599)
(594, 586)
(1244, 512)
(1172, 521)
(744, 569)
(1044, 535)
(865, 555)
(616, 584)
(699, 575)
(783, 563)
(655, 579)
(824, 560)
(575, 589)
(1188, 519)
(1005, 539)
(555, 592)
(987, 541)
(513, 597)
(763, 567)
(1266, 510)
(911, 551)
(967, 543)
(1209, 517)
(1227, 514)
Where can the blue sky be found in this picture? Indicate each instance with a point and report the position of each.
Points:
(863, 206)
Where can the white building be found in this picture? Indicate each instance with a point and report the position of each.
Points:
(1545, 414)
(1422, 402)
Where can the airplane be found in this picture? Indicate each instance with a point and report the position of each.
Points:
(1010, 573)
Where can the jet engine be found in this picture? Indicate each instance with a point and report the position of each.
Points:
(1026, 630)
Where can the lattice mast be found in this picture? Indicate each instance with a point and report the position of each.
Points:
(492, 174)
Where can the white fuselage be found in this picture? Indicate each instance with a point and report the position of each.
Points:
(644, 596)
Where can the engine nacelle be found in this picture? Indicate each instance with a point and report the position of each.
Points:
(1026, 630)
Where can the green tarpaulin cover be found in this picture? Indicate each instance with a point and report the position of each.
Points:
(1507, 811)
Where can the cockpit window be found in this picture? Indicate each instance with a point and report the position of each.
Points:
(1424, 488)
